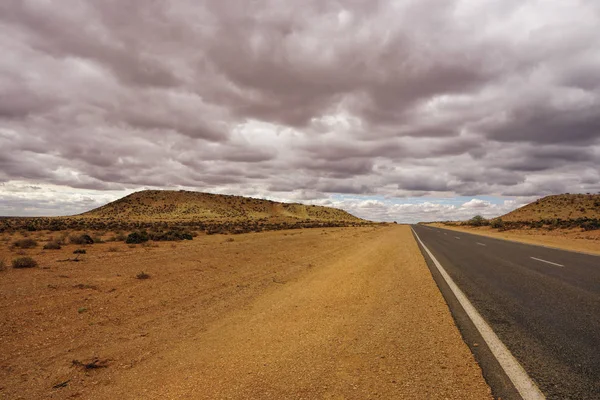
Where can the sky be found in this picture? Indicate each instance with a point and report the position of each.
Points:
(409, 110)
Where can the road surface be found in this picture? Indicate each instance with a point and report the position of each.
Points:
(542, 303)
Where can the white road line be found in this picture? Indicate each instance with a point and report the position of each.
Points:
(445, 233)
(517, 374)
(547, 262)
(457, 237)
(481, 244)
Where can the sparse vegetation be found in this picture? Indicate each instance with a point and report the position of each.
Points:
(26, 243)
(142, 275)
(2, 264)
(497, 223)
(24, 262)
(566, 211)
(94, 364)
(137, 237)
(120, 237)
(52, 245)
(79, 251)
(176, 215)
(81, 239)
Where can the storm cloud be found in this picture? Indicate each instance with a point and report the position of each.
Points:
(299, 100)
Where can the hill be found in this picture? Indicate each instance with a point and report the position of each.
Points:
(166, 205)
(159, 210)
(561, 206)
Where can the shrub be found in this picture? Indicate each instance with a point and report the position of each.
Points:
(120, 237)
(52, 245)
(478, 220)
(137, 237)
(2, 264)
(171, 235)
(79, 251)
(98, 239)
(24, 262)
(142, 275)
(497, 223)
(81, 239)
(25, 243)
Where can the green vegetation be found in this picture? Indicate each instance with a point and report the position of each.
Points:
(478, 220)
(497, 223)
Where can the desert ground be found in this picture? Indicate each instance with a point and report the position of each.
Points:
(574, 239)
(309, 313)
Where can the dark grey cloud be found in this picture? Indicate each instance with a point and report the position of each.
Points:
(301, 100)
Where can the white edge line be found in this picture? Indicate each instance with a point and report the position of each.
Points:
(517, 374)
(547, 262)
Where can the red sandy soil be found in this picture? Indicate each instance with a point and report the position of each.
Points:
(318, 313)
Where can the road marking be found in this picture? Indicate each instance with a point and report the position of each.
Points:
(481, 244)
(517, 374)
(445, 233)
(547, 262)
(457, 237)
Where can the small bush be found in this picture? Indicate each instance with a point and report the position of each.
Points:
(2, 264)
(52, 245)
(98, 239)
(25, 243)
(81, 239)
(79, 251)
(142, 275)
(24, 262)
(497, 223)
(137, 237)
(172, 235)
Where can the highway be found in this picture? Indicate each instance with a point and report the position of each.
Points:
(542, 303)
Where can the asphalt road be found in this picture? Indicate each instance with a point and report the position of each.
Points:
(543, 304)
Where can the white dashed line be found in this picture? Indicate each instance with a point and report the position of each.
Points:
(481, 244)
(517, 374)
(457, 237)
(547, 262)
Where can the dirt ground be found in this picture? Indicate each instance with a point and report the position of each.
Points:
(338, 313)
(567, 239)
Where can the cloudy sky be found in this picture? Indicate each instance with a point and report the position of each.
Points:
(394, 110)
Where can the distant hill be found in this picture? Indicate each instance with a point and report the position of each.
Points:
(167, 205)
(561, 206)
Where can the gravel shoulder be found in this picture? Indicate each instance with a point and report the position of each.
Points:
(317, 313)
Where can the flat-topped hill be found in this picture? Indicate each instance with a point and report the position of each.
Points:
(561, 206)
(149, 205)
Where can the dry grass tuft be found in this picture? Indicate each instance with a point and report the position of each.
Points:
(142, 275)
(26, 243)
(24, 262)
